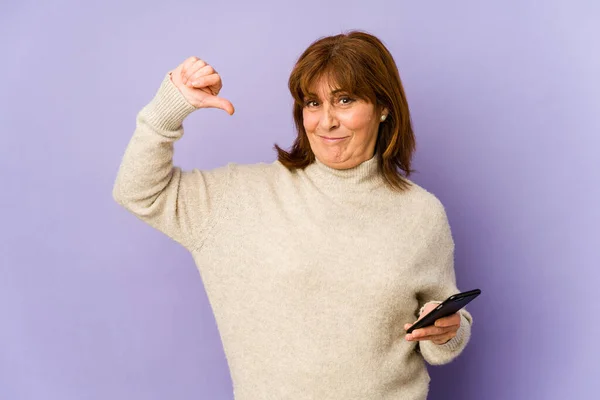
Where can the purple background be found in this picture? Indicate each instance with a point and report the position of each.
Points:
(505, 100)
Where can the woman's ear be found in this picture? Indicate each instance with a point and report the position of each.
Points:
(383, 114)
(383, 110)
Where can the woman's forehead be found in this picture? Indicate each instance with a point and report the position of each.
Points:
(324, 86)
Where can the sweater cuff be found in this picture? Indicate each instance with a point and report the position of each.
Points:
(438, 354)
(168, 108)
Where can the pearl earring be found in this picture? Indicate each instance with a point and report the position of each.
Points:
(383, 117)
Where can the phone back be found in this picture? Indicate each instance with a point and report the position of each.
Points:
(451, 305)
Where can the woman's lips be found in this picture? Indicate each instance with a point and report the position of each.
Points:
(327, 139)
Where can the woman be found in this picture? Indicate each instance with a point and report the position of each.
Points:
(317, 263)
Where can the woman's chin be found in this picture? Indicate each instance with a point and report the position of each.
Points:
(338, 162)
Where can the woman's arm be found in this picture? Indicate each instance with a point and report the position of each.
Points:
(438, 283)
(180, 204)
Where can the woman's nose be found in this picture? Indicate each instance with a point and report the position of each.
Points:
(329, 120)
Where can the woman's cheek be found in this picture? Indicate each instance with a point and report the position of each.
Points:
(309, 122)
(351, 121)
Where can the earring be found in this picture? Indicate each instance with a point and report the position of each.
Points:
(383, 117)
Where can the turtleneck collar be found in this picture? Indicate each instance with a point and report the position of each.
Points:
(364, 176)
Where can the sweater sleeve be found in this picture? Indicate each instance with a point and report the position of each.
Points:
(437, 283)
(181, 204)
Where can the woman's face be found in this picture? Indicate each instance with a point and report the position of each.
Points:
(341, 130)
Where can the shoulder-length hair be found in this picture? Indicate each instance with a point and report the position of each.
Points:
(359, 63)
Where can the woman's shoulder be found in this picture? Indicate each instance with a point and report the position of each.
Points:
(423, 201)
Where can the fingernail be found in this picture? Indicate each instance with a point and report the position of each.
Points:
(409, 337)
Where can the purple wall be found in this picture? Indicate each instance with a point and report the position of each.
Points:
(505, 102)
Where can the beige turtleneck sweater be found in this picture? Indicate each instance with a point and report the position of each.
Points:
(311, 274)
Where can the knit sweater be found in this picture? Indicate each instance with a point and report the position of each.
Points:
(311, 274)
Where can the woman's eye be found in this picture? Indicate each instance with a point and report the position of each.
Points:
(311, 103)
(346, 100)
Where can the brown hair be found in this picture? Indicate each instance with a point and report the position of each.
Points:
(360, 64)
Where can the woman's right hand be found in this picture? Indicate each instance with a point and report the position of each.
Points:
(200, 84)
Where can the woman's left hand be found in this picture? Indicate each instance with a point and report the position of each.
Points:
(440, 333)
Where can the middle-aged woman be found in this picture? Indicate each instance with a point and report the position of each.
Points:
(314, 264)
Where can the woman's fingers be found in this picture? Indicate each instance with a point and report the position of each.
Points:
(435, 334)
(195, 79)
(185, 67)
(190, 67)
(430, 331)
(451, 320)
(203, 81)
(443, 330)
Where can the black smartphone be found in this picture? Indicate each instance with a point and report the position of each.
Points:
(448, 307)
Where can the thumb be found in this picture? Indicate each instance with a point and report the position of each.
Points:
(219, 102)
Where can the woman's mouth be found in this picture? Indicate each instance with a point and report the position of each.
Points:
(328, 139)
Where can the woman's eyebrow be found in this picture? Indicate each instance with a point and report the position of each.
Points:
(331, 94)
(338, 91)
